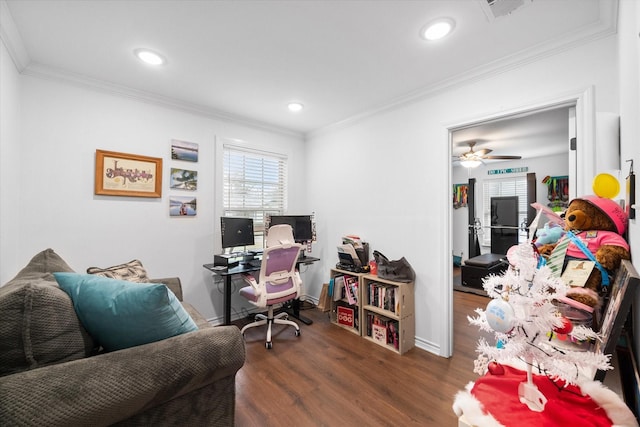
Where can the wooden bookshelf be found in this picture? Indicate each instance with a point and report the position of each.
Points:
(341, 307)
(388, 317)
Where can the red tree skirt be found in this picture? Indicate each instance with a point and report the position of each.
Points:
(493, 401)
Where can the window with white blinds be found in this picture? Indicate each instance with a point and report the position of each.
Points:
(255, 185)
(503, 187)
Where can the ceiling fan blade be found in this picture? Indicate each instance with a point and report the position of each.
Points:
(482, 152)
(502, 157)
(470, 158)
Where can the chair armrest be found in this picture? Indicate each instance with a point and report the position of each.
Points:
(172, 283)
(112, 387)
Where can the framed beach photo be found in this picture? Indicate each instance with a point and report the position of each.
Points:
(122, 174)
(183, 150)
(182, 206)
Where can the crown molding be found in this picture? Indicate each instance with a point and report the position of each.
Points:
(51, 73)
(11, 37)
(13, 41)
(605, 27)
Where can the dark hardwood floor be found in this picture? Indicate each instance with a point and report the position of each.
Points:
(331, 377)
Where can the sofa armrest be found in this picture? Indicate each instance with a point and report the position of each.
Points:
(172, 283)
(105, 389)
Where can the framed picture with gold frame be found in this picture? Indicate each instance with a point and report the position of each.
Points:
(132, 175)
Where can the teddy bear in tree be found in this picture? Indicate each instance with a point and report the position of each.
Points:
(600, 224)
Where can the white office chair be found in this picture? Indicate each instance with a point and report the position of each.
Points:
(280, 234)
(279, 282)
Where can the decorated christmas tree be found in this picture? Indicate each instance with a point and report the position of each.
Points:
(528, 318)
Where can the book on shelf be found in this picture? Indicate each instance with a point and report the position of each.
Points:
(392, 334)
(351, 289)
(338, 288)
(346, 316)
(379, 333)
(383, 330)
(384, 296)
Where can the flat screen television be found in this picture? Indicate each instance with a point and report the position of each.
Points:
(236, 232)
(302, 225)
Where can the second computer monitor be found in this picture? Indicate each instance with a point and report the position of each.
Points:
(302, 225)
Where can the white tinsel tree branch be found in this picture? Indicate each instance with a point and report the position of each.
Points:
(533, 292)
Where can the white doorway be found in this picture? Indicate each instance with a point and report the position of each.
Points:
(580, 162)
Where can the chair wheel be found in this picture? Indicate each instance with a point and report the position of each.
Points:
(297, 332)
(269, 345)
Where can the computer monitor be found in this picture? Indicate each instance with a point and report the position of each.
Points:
(302, 225)
(236, 232)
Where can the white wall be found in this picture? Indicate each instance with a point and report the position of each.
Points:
(52, 162)
(629, 55)
(387, 177)
(9, 160)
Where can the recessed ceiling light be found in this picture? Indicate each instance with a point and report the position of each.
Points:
(437, 29)
(149, 57)
(295, 107)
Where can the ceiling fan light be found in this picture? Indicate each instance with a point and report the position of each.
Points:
(470, 163)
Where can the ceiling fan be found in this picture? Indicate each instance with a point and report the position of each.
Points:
(472, 159)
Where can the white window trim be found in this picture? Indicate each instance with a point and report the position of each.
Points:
(256, 208)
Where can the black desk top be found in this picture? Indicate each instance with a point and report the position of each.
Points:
(238, 269)
(247, 268)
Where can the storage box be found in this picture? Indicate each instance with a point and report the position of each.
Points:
(477, 268)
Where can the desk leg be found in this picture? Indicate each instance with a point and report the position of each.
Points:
(295, 312)
(227, 300)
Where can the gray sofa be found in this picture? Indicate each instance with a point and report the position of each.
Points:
(52, 376)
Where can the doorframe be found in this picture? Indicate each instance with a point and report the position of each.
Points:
(584, 102)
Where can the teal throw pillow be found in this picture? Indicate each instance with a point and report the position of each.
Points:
(120, 314)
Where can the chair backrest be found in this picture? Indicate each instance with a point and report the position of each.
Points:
(280, 234)
(278, 273)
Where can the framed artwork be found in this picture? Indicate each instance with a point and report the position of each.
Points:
(616, 309)
(182, 206)
(460, 195)
(122, 174)
(183, 150)
(182, 179)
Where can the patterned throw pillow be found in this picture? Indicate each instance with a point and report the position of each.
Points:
(133, 271)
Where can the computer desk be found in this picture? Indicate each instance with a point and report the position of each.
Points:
(228, 274)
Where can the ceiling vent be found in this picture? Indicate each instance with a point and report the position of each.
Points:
(498, 8)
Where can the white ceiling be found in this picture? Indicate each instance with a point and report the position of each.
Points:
(534, 134)
(245, 60)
